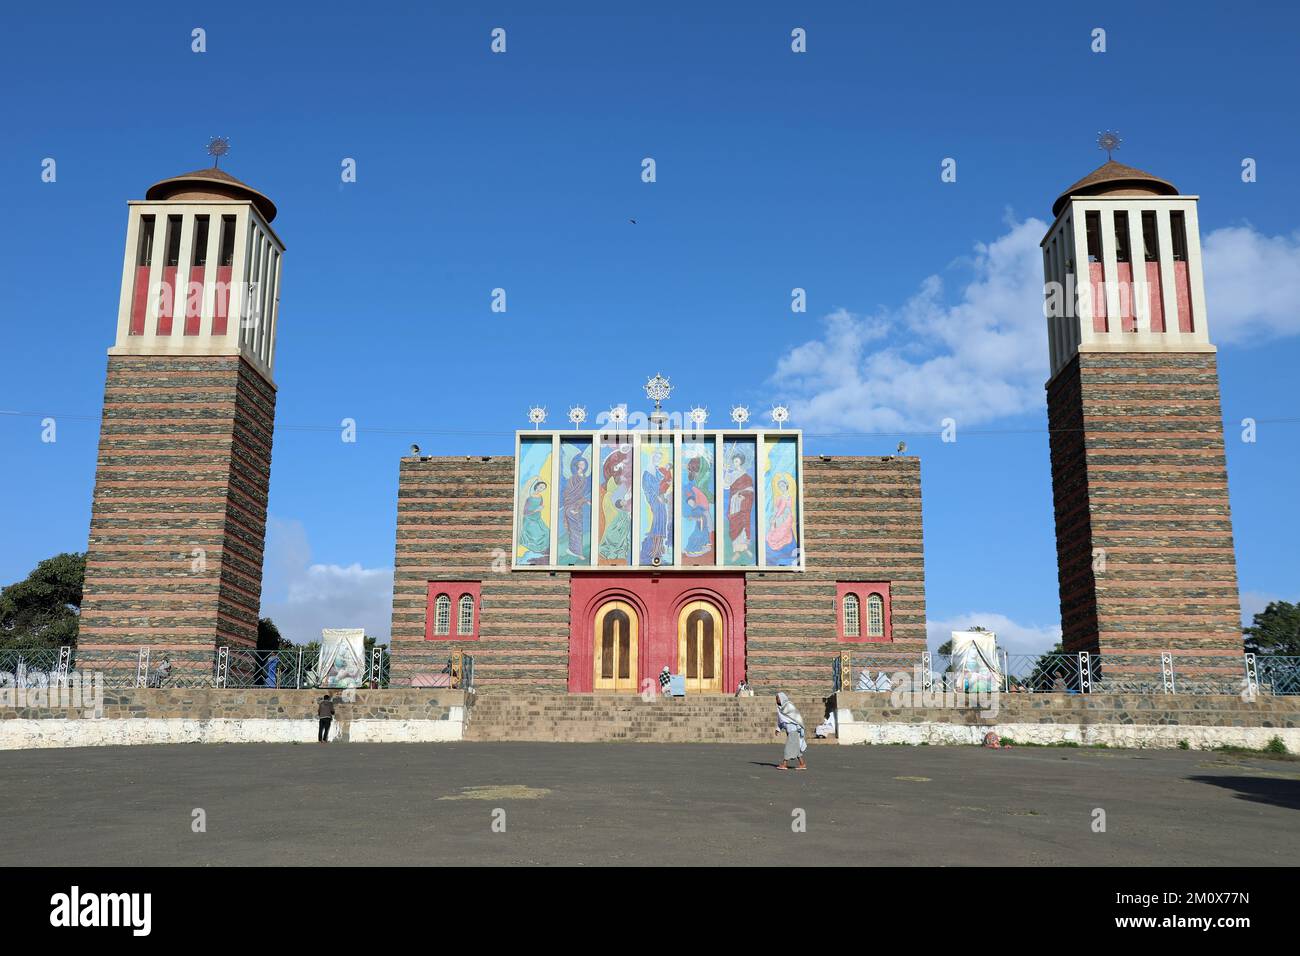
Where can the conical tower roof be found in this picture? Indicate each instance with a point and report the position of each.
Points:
(210, 183)
(1113, 177)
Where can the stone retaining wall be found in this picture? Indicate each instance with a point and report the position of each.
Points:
(1116, 720)
(210, 715)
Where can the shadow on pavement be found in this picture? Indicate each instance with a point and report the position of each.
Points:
(1272, 790)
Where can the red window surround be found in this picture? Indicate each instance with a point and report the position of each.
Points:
(863, 590)
(454, 590)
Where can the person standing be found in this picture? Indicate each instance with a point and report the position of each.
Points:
(789, 719)
(325, 711)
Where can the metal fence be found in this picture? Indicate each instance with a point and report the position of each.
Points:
(231, 667)
(228, 667)
(1081, 673)
(1277, 675)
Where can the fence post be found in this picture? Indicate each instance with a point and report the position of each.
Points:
(1252, 678)
(1085, 673)
(65, 660)
(1167, 671)
(1006, 672)
(223, 664)
(142, 667)
(927, 679)
(376, 660)
(298, 680)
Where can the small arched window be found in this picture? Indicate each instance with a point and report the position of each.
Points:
(852, 616)
(465, 616)
(875, 616)
(442, 615)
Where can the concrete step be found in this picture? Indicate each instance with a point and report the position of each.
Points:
(507, 715)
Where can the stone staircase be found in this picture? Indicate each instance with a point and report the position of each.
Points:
(592, 718)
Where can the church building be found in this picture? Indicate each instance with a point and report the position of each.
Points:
(591, 559)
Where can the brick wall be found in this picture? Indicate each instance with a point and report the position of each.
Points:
(453, 523)
(184, 464)
(862, 522)
(1138, 470)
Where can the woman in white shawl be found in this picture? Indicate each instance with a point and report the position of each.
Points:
(789, 719)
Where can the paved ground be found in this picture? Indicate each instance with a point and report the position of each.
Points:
(641, 804)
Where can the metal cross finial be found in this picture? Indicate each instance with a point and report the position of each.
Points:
(657, 389)
(218, 146)
(1109, 141)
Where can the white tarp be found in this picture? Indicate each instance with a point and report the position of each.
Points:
(975, 661)
(342, 657)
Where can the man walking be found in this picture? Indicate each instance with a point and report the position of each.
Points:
(325, 711)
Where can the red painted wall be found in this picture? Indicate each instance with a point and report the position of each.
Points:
(1127, 307)
(1183, 286)
(139, 300)
(658, 600)
(192, 321)
(454, 590)
(1155, 297)
(221, 309)
(1097, 277)
(167, 304)
(863, 590)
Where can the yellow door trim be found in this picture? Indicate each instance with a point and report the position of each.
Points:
(697, 683)
(622, 655)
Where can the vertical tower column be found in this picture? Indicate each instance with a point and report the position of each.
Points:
(178, 520)
(1139, 478)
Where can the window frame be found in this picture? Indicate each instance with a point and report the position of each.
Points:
(862, 592)
(461, 631)
(845, 598)
(455, 592)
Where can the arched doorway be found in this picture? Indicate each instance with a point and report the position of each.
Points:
(699, 647)
(615, 636)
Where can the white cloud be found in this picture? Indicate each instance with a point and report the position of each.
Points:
(1013, 637)
(1252, 284)
(985, 356)
(908, 368)
(302, 597)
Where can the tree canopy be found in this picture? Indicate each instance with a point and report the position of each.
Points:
(1276, 630)
(43, 609)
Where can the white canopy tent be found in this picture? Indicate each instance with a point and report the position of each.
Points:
(975, 661)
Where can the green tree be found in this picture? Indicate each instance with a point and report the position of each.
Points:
(1276, 630)
(43, 609)
(269, 637)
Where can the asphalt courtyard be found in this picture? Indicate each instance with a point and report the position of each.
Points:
(641, 804)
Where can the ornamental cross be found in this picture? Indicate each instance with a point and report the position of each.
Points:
(1109, 141)
(218, 146)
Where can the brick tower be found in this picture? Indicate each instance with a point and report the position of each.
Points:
(1140, 486)
(178, 522)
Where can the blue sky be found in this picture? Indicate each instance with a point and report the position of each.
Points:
(775, 170)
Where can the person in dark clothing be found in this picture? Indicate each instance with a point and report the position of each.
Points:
(325, 711)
